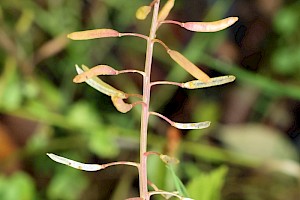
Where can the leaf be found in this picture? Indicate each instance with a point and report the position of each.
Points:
(18, 186)
(178, 184)
(207, 186)
(188, 66)
(67, 184)
(102, 143)
(93, 34)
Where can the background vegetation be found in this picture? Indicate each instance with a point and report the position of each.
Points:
(250, 152)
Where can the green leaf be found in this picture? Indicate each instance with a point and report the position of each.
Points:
(178, 184)
(19, 186)
(207, 186)
(68, 184)
(103, 144)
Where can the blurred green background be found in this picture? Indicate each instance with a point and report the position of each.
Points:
(250, 152)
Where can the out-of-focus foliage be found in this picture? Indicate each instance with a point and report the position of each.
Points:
(43, 111)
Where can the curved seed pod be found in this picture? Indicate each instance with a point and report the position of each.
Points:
(95, 71)
(93, 34)
(199, 125)
(75, 164)
(164, 12)
(142, 12)
(212, 82)
(101, 86)
(210, 26)
(120, 105)
(168, 159)
(188, 66)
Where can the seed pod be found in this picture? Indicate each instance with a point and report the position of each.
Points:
(142, 12)
(75, 164)
(210, 26)
(188, 66)
(120, 105)
(199, 125)
(100, 85)
(95, 71)
(212, 82)
(93, 34)
(164, 12)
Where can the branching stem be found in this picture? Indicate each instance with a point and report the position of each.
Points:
(145, 109)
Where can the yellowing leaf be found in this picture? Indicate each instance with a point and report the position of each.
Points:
(163, 14)
(188, 66)
(93, 34)
(142, 12)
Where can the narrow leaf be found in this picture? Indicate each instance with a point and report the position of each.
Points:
(75, 164)
(199, 125)
(163, 14)
(95, 71)
(210, 26)
(93, 34)
(142, 12)
(212, 82)
(120, 105)
(188, 66)
(178, 184)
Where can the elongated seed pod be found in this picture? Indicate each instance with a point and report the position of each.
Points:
(75, 164)
(93, 34)
(188, 66)
(199, 125)
(164, 12)
(210, 26)
(212, 82)
(142, 12)
(120, 105)
(95, 71)
(101, 86)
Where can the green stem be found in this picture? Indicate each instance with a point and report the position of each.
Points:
(145, 109)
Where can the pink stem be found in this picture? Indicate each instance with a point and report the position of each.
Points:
(163, 117)
(172, 22)
(134, 35)
(134, 164)
(143, 180)
(166, 83)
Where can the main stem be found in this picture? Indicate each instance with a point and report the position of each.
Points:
(145, 109)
